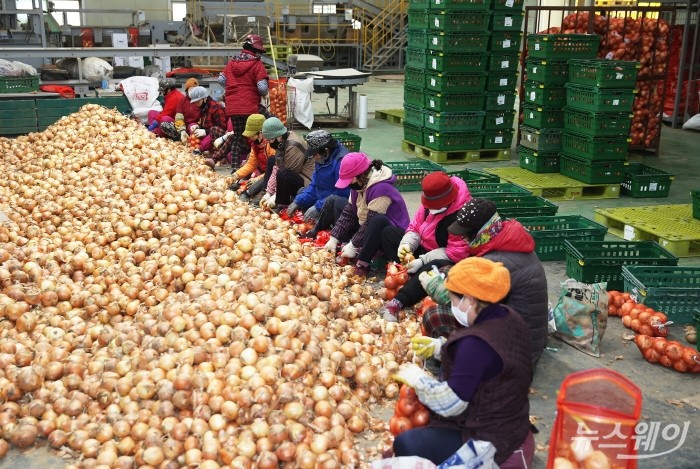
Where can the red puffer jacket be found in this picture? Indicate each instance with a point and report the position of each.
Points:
(242, 73)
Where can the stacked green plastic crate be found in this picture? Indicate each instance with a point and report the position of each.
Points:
(597, 118)
(446, 73)
(504, 49)
(546, 74)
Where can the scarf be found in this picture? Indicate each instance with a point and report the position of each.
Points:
(487, 232)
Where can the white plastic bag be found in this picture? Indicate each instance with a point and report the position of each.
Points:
(8, 69)
(142, 93)
(472, 455)
(96, 69)
(693, 123)
(301, 104)
(403, 462)
(26, 70)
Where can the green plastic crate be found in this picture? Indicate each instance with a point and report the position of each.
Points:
(495, 120)
(673, 290)
(522, 205)
(563, 46)
(462, 41)
(451, 122)
(602, 261)
(463, 102)
(552, 72)
(420, 5)
(410, 174)
(501, 62)
(459, 20)
(604, 73)
(501, 81)
(456, 61)
(417, 38)
(550, 232)
(453, 141)
(696, 204)
(351, 141)
(480, 189)
(413, 96)
(454, 82)
(540, 139)
(460, 5)
(507, 21)
(413, 115)
(539, 162)
(505, 42)
(544, 94)
(415, 77)
(591, 98)
(419, 18)
(416, 58)
(19, 84)
(597, 124)
(498, 139)
(500, 100)
(413, 134)
(474, 175)
(539, 117)
(592, 172)
(508, 5)
(595, 148)
(644, 181)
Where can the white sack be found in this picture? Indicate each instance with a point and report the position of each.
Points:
(96, 69)
(302, 109)
(142, 93)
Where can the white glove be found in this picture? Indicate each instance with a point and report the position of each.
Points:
(403, 250)
(414, 266)
(425, 277)
(349, 251)
(271, 201)
(331, 245)
(265, 198)
(183, 136)
(199, 133)
(427, 347)
(410, 374)
(220, 141)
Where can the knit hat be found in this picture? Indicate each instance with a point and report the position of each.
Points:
(479, 278)
(198, 93)
(191, 83)
(166, 84)
(317, 140)
(254, 42)
(438, 191)
(472, 217)
(273, 128)
(353, 164)
(253, 125)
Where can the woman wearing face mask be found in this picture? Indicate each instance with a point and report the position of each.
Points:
(260, 150)
(486, 398)
(426, 238)
(291, 170)
(327, 153)
(505, 241)
(375, 205)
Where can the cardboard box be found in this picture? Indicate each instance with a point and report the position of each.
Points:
(136, 62)
(162, 62)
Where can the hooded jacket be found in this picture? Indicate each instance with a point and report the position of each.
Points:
(515, 248)
(172, 101)
(242, 74)
(422, 231)
(291, 155)
(191, 112)
(323, 181)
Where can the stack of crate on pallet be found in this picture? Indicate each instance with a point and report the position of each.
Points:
(546, 74)
(597, 118)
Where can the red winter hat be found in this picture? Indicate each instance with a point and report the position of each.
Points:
(438, 191)
(254, 42)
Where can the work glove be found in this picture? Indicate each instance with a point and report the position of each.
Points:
(425, 278)
(265, 198)
(349, 251)
(331, 245)
(271, 202)
(199, 133)
(311, 214)
(291, 208)
(220, 141)
(427, 347)
(183, 136)
(410, 375)
(414, 266)
(235, 177)
(403, 250)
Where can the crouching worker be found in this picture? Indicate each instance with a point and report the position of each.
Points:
(484, 399)
(260, 151)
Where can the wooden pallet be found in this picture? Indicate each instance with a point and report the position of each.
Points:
(554, 186)
(455, 156)
(392, 116)
(672, 226)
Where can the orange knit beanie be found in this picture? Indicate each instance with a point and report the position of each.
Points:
(480, 278)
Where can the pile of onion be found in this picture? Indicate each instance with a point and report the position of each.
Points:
(149, 318)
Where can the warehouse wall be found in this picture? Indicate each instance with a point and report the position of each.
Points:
(154, 9)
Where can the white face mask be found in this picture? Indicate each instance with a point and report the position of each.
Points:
(437, 211)
(460, 316)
